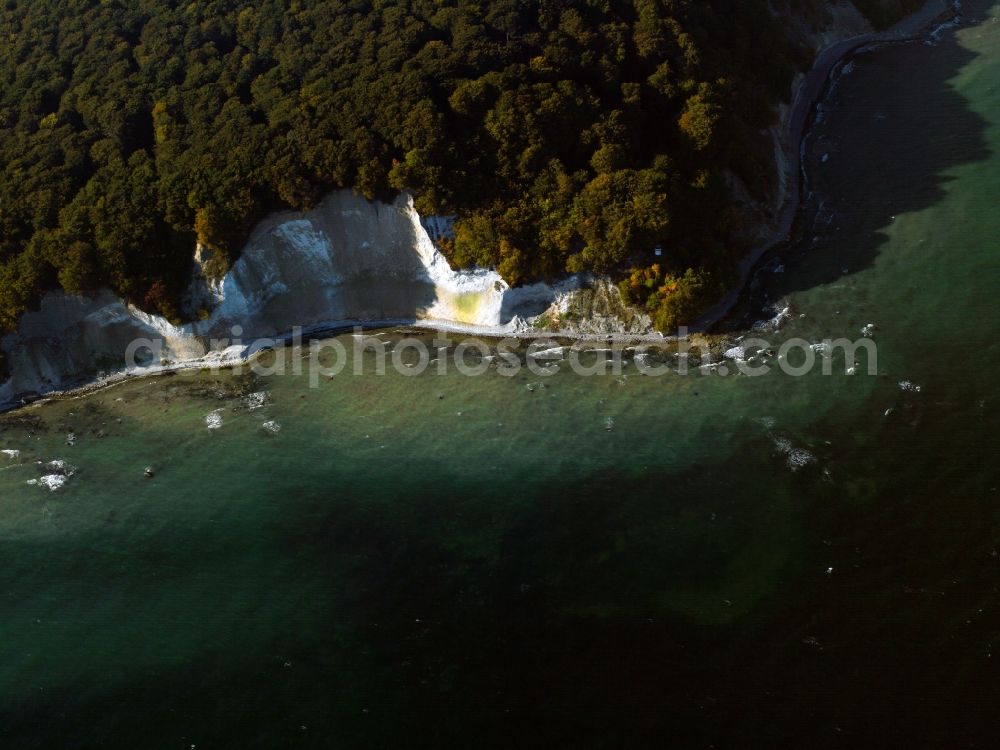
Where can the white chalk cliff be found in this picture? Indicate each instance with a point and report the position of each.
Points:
(347, 261)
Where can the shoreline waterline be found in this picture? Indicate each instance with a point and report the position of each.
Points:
(541, 354)
(252, 348)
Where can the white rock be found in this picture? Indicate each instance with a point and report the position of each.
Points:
(52, 481)
(256, 400)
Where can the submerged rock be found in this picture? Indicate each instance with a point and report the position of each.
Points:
(213, 421)
(61, 468)
(51, 481)
(257, 400)
(798, 458)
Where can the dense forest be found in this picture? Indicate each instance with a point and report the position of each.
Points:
(567, 136)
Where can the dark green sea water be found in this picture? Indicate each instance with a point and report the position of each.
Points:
(458, 562)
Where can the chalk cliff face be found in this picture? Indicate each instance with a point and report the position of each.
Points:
(73, 339)
(348, 260)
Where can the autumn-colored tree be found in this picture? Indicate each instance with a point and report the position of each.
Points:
(130, 131)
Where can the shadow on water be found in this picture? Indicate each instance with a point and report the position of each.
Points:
(894, 128)
(422, 617)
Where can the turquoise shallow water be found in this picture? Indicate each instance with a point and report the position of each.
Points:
(453, 561)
